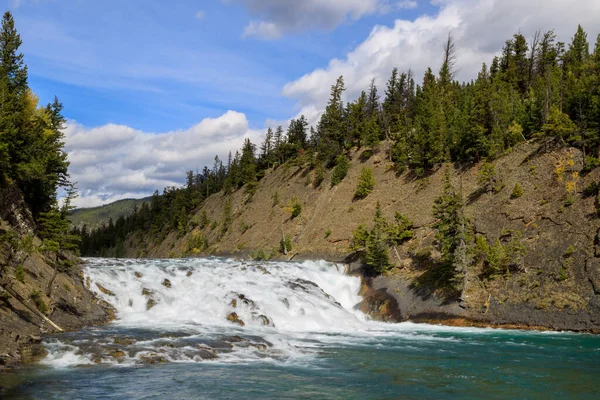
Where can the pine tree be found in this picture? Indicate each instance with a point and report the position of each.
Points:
(451, 235)
(56, 235)
(248, 163)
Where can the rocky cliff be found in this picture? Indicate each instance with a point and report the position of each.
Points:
(26, 312)
(555, 285)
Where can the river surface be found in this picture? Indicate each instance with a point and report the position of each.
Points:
(295, 334)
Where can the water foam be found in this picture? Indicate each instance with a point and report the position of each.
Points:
(183, 311)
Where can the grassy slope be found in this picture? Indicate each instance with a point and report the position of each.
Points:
(96, 216)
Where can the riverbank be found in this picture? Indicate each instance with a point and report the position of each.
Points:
(28, 311)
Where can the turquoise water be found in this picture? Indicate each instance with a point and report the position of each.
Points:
(316, 345)
(436, 363)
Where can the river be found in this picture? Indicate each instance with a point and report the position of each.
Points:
(225, 329)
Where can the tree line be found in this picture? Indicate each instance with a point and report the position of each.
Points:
(541, 88)
(32, 159)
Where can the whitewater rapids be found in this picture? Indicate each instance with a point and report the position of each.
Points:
(224, 311)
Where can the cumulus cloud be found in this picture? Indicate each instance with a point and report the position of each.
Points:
(115, 161)
(282, 16)
(479, 27)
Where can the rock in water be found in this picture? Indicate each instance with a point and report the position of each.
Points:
(104, 290)
(234, 318)
(166, 283)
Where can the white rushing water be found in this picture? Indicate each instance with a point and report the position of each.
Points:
(177, 311)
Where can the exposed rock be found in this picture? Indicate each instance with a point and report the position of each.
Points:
(263, 269)
(264, 320)
(116, 353)
(150, 303)
(234, 318)
(147, 292)
(138, 274)
(123, 341)
(104, 290)
(166, 283)
(207, 353)
(189, 273)
(233, 303)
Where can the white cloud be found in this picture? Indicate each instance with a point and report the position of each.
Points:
(407, 4)
(282, 16)
(112, 162)
(200, 15)
(263, 30)
(479, 27)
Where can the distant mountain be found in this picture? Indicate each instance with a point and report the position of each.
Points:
(96, 216)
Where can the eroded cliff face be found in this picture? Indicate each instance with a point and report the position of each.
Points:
(556, 284)
(24, 275)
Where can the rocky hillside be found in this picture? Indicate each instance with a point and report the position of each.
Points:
(551, 218)
(26, 312)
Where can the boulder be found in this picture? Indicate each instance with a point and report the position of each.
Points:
(234, 318)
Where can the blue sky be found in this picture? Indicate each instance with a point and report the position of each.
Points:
(154, 88)
(158, 67)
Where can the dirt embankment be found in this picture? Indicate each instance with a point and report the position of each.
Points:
(24, 275)
(557, 285)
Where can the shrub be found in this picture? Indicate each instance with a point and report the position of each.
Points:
(328, 233)
(20, 274)
(591, 189)
(499, 258)
(569, 201)
(260, 255)
(296, 209)
(203, 223)
(36, 296)
(226, 217)
(570, 251)
(275, 198)
(488, 177)
(244, 226)
(197, 242)
(591, 163)
(373, 244)
(340, 170)
(366, 183)
(319, 175)
(517, 191)
(285, 245)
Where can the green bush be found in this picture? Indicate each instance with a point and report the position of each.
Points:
(296, 209)
(275, 198)
(340, 170)
(197, 242)
(20, 274)
(203, 223)
(499, 258)
(328, 233)
(517, 191)
(591, 163)
(36, 296)
(373, 244)
(488, 177)
(319, 175)
(591, 189)
(285, 245)
(366, 183)
(570, 251)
